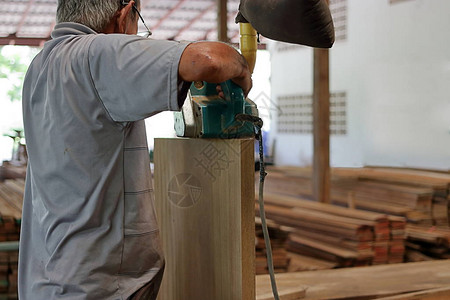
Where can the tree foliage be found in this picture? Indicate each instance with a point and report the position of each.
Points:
(13, 67)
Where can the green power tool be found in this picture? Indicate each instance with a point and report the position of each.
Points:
(206, 115)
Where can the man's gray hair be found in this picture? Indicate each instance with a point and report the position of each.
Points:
(95, 14)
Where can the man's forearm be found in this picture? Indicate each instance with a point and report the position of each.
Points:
(214, 62)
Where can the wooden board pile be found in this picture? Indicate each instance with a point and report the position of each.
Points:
(11, 198)
(11, 194)
(9, 170)
(345, 237)
(428, 229)
(424, 193)
(420, 197)
(277, 239)
(427, 243)
(8, 274)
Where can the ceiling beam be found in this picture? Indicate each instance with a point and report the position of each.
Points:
(143, 3)
(51, 27)
(167, 15)
(260, 46)
(24, 15)
(12, 39)
(230, 16)
(194, 19)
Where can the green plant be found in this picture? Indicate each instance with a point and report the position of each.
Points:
(13, 67)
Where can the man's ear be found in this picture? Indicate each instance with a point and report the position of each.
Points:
(123, 16)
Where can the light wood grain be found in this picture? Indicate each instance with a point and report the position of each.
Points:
(375, 281)
(433, 294)
(209, 245)
(288, 294)
(289, 201)
(421, 178)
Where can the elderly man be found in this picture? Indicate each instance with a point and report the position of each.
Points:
(89, 229)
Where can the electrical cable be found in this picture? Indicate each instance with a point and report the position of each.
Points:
(258, 123)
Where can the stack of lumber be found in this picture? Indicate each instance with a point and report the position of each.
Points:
(427, 242)
(9, 170)
(11, 195)
(279, 254)
(419, 196)
(4, 272)
(341, 236)
(412, 182)
(9, 228)
(13, 261)
(298, 262)
(8, 270)
(397, 248)
(424, 241)
(384, 197)
(11, 198)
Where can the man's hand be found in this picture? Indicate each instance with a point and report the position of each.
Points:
(214, 62)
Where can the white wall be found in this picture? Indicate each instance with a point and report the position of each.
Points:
(395, 67)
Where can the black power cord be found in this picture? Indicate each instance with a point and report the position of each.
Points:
(258, 124)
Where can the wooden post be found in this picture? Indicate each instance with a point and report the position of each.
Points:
(205, 201)
(222, 21)
(321, 124)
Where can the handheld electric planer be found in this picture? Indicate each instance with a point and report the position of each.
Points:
(206, 115)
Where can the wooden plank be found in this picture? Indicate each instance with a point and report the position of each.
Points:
(334, 240)
(288, 294)
(16, 188)
(206, 215)
(306, 263)
(332, 250)
(347, 227)
(434, 235)
(413, 197)
(8, 206)
(431, 294)
(373, 204)
(13, 196)
(374, 281)
(421, 178)
(357, 235)
(279, 183)
(407, 189)
(415, 256)
(301, 215)
(289, 201)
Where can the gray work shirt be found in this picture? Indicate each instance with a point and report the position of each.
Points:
(89, 229)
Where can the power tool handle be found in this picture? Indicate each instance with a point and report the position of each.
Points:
(232, 91)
